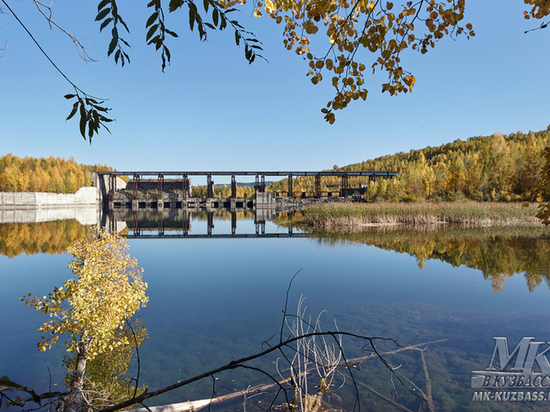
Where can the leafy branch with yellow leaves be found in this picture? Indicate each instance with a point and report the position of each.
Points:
(342, 29)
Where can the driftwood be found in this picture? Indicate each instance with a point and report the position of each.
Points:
(429, 399)
(192, 406)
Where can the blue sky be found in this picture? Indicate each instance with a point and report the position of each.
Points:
(211, 110)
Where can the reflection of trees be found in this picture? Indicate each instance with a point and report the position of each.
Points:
(498, 252)
(43, 237)
(106, 382)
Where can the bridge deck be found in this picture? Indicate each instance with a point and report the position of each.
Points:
(249, 173)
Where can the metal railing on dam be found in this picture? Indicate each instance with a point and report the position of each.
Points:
(172, 189)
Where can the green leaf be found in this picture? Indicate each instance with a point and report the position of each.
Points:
(215, 17)
(83, 121)
(151, 31)
(102, 14)
(5, 381)
(105, 23)
(73, 111)
(123, 23)
(155, 40)
(69, 96)
(174, 5)
(102, 4)
(191, 19)
(171, 33)
(151, 19)
(112, 46)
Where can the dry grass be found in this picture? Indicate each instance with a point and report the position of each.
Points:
(334, 216)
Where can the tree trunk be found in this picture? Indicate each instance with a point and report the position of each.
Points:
(74, 401)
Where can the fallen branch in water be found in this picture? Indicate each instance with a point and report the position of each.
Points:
(197, 405)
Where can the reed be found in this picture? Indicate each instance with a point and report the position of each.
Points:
(475, 214)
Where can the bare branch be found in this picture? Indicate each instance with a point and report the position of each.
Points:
(47, 12)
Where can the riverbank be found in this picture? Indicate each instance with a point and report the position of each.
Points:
(475, 214)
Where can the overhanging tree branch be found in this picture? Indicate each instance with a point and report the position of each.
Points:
(91, 110)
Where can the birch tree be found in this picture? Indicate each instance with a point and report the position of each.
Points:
(89, 309)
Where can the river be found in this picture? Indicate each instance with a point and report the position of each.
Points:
(220, 295)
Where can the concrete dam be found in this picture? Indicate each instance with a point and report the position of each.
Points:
(160, 190)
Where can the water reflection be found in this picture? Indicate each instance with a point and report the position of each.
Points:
(499, 253)
(177, 223)
(215, 301)
(42, 237)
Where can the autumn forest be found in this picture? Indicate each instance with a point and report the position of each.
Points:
(55, 175)
(488, 168)
(484, 168)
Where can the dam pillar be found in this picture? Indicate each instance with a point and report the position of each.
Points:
(160, 196)
(185, 187)
(290, 190)
(345, 185)
(112, 189)
(233, 186)
(209, 186)
(318, 186)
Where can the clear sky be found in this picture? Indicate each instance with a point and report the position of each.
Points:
(211, 110)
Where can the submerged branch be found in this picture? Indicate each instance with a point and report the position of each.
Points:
(199, 404)
(237, 364)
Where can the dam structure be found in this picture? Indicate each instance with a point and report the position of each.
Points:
(149, 190)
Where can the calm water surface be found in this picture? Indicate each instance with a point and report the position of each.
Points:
(213, 300)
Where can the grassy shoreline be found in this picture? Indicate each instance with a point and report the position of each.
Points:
(473, 214)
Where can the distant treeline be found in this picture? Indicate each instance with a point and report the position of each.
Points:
(55, 175)
(488, 168)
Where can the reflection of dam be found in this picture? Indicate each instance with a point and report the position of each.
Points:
(85, 215)
(177, 223)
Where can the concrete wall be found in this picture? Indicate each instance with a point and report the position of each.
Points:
(86, 196)
(102, 186)
(265, 200)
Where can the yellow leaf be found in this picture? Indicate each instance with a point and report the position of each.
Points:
(270, 6)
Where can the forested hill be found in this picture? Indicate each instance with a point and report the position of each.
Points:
(44, 175)
(497, 167)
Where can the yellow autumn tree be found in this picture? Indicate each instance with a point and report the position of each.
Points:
(107, 289)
